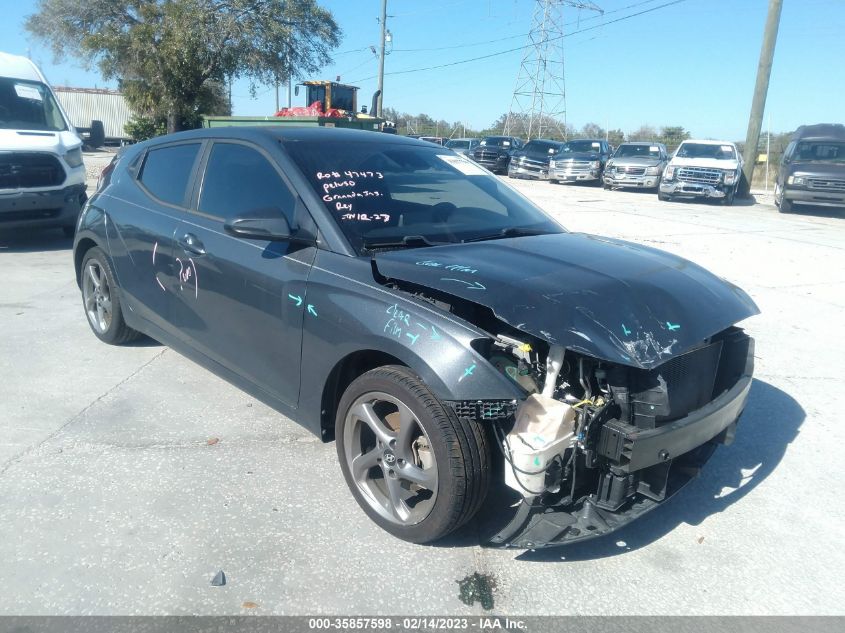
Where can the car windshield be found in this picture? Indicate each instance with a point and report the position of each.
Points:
(28, 105)
(497, 141)
(541, 147)
(457, 144)
(820, 152)
(397, 194)
(638, 150)
(581, 146)
(706, 150)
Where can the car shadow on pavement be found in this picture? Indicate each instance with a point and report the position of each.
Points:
(34, 240)
(816, 211)
(771, 421)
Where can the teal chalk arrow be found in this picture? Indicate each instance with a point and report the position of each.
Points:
(435, 335)
(297, 299)
(672, 327)
(311, 310)
(625, 330)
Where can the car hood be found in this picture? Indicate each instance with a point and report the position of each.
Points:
(638, 161)
(609, 299)
(817, 169)
(714, 163)
(493, 148)
(38, 141)
(576, 156)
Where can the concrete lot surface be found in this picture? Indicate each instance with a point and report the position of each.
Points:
(116, 498)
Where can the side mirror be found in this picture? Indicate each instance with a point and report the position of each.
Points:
(263, 224)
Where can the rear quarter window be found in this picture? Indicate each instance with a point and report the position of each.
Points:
(167, 170)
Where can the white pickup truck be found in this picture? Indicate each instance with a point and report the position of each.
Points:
(702, 169)
(42, 178)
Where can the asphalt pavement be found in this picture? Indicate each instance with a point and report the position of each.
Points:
(130, 476)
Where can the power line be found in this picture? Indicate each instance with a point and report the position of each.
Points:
(520, 48)
(521, 35)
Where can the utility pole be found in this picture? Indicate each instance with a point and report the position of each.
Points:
(761, 88)
(381, 56)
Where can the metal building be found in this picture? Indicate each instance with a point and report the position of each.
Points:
(84, 105)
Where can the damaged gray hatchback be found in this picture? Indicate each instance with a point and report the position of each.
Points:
(450, 336)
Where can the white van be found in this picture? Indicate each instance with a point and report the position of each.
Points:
(42, 178)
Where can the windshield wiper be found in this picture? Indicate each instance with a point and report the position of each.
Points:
(409, 241)
(511, 231)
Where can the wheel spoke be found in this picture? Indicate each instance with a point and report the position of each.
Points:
(425, 478)
(397, 503)
(89, 301)
(106, 305)
(362, 464)
(95, 279)
(407, 425)
(368, 416)
(101, 317)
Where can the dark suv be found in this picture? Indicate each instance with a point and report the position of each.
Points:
(532, 161)
(813, 168)
(494, 152)
(580, 160)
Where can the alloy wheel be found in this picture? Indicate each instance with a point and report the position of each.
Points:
(96, 295)
(390, 458)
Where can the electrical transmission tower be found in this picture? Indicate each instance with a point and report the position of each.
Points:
(538, 106)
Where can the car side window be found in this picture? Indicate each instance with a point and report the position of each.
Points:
(240, 179)
(167, 170)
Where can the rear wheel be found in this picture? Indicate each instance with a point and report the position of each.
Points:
(416, 469)
(101, 300)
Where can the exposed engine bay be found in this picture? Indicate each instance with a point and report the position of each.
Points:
(595, 444)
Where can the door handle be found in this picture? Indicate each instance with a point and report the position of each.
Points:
(190, 244)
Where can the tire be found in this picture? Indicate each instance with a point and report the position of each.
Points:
(728, 200)
(665, 197)
(101, 300)
(606, 186)
(450, 464)
(784, 206)
(552, 181)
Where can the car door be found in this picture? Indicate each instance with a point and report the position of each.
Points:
(144, 212)
(241, 302)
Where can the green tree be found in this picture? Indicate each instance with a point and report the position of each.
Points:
(592, 130)
(644, 133)
(672, 136)
(166, 53)
(616, 137)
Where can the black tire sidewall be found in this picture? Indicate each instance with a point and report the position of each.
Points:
(440, 520)
(117, 327)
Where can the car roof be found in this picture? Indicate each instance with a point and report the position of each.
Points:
(289, 133)
(708, 142)
(821, 132)
(640, 143)
(18, 67)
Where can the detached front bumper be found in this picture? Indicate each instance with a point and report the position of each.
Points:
(695, 189)
(56, 207)
(653, 464)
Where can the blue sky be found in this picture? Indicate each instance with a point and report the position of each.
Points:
(690, 64)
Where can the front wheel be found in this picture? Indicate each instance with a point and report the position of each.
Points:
(101, 299)
(783, 205)
(416, 469)
(663, 196)
(553, 181)
(728, 200)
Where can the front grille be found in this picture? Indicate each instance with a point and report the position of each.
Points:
(630, 171)
(573, 165)
(536, 165)
(700, 175)
(30, 169)
(826, 184)
(487, 155)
